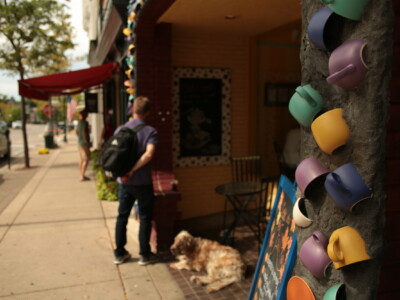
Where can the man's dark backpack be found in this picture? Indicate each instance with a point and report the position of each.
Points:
(119, 153)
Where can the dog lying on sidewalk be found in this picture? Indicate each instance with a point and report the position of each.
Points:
(223, 264)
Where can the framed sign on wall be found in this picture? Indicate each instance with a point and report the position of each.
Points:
(201, 116)
(278, 94)
(91, 102)
(279, 249)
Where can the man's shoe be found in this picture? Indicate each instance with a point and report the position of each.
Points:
(148, 259)
(121, 259)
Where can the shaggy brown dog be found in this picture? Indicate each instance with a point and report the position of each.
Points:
(223, 264)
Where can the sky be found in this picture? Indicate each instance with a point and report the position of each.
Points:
(9, 85)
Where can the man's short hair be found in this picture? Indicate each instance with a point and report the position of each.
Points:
(141, 105)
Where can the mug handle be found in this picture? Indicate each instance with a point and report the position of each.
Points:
(328, 1)
(334, 253)
(319, 237)
(340, 74)
(303, 93)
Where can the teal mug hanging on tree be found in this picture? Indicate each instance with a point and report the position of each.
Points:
(305, 104)
(351, 9)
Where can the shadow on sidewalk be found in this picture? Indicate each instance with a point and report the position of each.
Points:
(57, 221)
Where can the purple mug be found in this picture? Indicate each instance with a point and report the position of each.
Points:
(314, 256)
(346, 187)
(308, 171)
(323, 29)
(347, 67)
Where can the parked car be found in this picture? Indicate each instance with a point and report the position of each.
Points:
(61, 126)
(3, 125)
(16, 124)
(48, 129)
(4, 140)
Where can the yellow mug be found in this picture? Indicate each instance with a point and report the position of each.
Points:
(346, 246)
(330, 130)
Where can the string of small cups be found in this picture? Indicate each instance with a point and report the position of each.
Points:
(345, 185)
(133, 8)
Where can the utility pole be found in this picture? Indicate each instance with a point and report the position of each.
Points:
(65, 120)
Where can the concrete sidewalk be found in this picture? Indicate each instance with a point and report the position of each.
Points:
(56, 240)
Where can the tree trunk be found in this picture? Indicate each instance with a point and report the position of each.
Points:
(365, 111)
(24, 135)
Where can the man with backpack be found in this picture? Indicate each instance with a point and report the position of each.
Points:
(137, 184)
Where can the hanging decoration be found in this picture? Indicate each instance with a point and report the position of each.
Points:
(130, 62)
(346, 187)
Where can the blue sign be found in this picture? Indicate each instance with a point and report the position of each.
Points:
(279, 249)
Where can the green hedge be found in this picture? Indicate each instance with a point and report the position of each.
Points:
(107, 188)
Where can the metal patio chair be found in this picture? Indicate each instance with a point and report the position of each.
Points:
(245, 169)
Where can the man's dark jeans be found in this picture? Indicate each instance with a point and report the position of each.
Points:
(126, 196)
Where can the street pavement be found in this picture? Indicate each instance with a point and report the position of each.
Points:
(57, 238)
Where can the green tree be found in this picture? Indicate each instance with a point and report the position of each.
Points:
(16, 114)
(6, 99)
(34, 38)
(42, 116)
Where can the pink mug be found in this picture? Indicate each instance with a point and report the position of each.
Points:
(347, 67)
(307, 172)
(314, 256)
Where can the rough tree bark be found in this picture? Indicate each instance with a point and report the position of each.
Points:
(365, 110)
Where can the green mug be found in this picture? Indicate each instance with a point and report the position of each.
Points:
(336, 292)
(351, 9)
(305, 104)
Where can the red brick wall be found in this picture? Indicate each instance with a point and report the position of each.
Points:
(153, 75)
(389, 284)
(153, 80)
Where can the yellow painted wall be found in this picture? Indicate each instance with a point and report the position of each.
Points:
(278, 62)
(254, 126)
(197, 184)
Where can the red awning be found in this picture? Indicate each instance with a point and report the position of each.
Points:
(67, 83)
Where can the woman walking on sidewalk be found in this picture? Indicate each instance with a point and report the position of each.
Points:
(83, 132)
